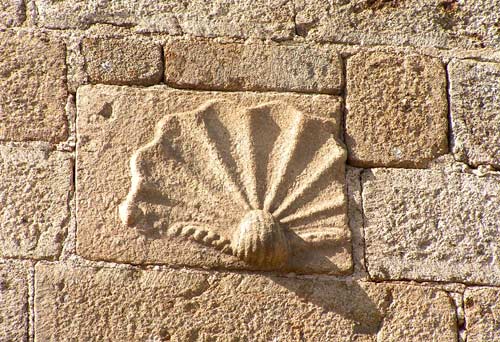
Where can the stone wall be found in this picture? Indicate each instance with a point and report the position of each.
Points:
(360, 138)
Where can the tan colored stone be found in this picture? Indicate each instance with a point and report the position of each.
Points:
(475, 111)
(482, 314)
(114, 123)
(396, 110)
(122, 61)
(13, 303)
(12, 13)
(241, 19)
(213, 66)
(439, 23)
(32, 87)
(430, 225)
(34, 193)
(83, 304)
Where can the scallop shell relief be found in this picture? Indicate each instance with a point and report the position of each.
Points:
(260, 183)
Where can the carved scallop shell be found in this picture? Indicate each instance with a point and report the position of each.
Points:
(257, 183)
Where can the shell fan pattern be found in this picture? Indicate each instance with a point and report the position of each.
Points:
(258, 183)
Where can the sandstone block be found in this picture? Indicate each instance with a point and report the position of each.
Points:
(12, 13)
(482, 312)
(431, 225)
(82, 303)
(34, 193)
(475, 111)
(241, 19)
(32, 88)
(396, 110)
(446, 24)
(13, 303)
(122, 62)
(149, 184)
(212, 66)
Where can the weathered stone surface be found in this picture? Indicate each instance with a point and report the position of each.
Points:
(445, 23)
(114, 122)
(82, 303)
(34, 192)
(13, 303)
(32, 87)
(213, 66)
(243, 19)
(482, 314)
(396, 110)
(11, 13)
(475, 111)
(122, 61)
(429, 225)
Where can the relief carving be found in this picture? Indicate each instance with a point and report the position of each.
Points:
(260, 183)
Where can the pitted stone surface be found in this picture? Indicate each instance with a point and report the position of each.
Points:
(13, 303)
(475, 111)
(32, 87)
(444, 23)
(272, 19)
(115, 122)
(122, 61)
(213, 66)
(396, 110)
(82, 303)
(12, 13)
(482, 313)
(430, 225)
(34, 193)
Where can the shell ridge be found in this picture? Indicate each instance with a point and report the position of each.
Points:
(278, 177)
(262, 135)
(247, 153)
(326, 164)
(313, 212)
(219, 159)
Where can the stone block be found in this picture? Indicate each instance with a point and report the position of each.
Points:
(482, 314)
(240, 19)
(82, 303)
(475, 111)
(13, 303)
(261, 67)
(32, 87)
(12, 13)
(396, 110)
(231, 153)
(122, 61)
(34, 193)
(443, 23)
(431, 225)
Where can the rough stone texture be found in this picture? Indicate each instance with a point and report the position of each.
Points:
(114, 122)
(429, 225)
(396, 110)
(34, 193)
(475, 111)
(443, 23)
(11, 13)
(32, 87)
(482, 313)
(85, 304)
(207, 65)
(13, 303)
(122, 61)
(242, 19)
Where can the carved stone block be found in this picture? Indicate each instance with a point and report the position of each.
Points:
(239, 180)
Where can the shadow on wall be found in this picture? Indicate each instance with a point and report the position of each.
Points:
(359, 308)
